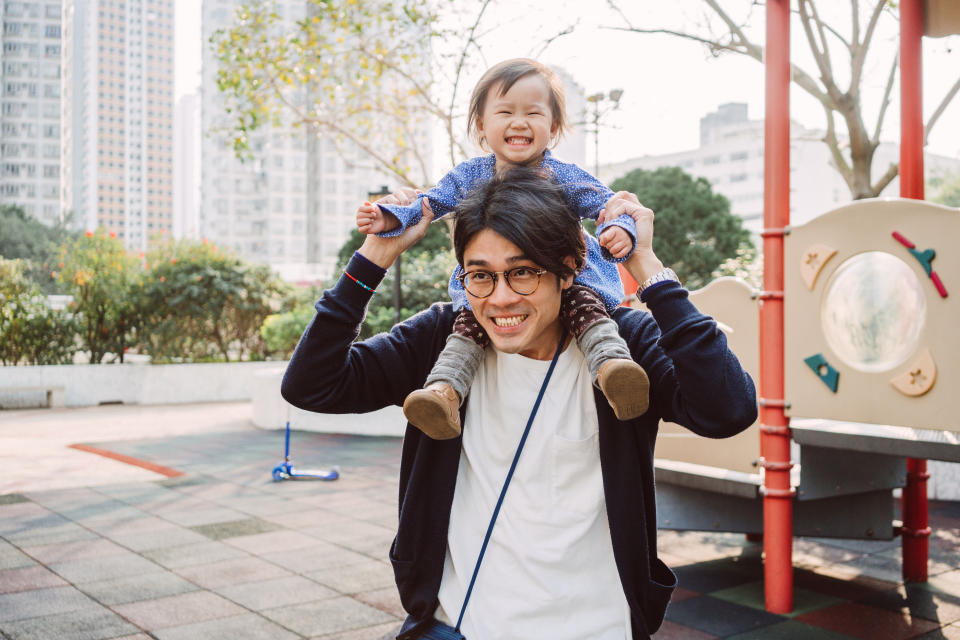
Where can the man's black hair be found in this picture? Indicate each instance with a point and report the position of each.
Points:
(529, 209)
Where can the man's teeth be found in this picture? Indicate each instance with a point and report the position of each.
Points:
(512, 321)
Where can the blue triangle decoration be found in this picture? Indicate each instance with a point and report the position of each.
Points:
(823, 370)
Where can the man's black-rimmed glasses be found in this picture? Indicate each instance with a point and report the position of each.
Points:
(480, 283)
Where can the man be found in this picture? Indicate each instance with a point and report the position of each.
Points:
(573, 553)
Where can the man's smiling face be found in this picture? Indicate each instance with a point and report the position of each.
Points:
(528, 325)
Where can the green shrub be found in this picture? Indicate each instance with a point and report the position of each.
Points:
(199, 303)
(282, 331)
(30, 331)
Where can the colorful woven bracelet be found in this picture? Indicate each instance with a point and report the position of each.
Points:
(358, 282)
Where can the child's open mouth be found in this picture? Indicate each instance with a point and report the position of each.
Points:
(519, 140)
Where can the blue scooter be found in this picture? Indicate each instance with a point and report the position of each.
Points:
(286, 471)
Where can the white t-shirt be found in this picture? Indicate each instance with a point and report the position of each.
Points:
(549, 570)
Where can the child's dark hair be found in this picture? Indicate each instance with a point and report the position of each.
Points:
(525, 206)
(506, 74)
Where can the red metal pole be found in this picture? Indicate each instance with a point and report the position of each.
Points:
(774, 425)
(915, 534)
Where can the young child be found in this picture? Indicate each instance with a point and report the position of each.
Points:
(517, 111)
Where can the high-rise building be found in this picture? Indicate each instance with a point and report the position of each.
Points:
(118, 117)
(186, 167)
(730, 156)
(573, 146)
(30, 107)
(293, 204)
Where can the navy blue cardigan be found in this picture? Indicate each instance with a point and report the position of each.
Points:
(695, 381)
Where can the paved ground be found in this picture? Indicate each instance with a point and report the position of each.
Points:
(92, 548)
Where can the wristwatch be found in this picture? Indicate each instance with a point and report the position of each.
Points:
(660, 276)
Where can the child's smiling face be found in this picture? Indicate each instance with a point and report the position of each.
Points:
(518, 125)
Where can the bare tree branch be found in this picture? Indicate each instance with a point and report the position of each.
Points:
(836, 34)
(551, 39)
(819, 55)
(855, 22)
(885, 179)
(803, 80)
(613, 5)
(713, 45)
(886, 100)
(456, 79)
(872, 25)
(940, 109)
(331, 124)
(830, 138)
(754, 50)
(823, 37)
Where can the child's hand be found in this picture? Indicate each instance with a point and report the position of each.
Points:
(617, 241)
(371, 219)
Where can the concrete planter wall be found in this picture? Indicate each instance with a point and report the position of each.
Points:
(258, 382)
(87, 385)
(271, 411)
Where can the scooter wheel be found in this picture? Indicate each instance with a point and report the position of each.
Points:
(279, 473)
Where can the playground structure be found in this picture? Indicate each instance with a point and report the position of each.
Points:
(854, 347)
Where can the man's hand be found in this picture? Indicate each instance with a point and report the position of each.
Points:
(372, 219)
(616, 240)
(643, 263)
(384, 251)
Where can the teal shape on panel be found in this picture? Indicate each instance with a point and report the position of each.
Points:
(924, 257)
(827, 374)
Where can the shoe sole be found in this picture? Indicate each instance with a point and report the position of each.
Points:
(427, 413)
(627, 390)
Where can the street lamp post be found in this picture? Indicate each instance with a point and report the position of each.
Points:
(373, 196)
(612, 102)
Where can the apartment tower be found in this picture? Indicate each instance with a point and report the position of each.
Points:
(30, 48)
(118, 116)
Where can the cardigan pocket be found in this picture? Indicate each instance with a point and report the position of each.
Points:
(404, 574)
(660, 588)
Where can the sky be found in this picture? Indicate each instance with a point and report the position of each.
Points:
(668, 84)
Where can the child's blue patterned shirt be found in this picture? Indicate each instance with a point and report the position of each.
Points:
(586, 195)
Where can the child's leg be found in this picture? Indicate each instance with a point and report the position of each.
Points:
(435, 409)
(623, 381)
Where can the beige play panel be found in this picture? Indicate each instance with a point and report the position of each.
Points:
(872, 312)
(733, 305)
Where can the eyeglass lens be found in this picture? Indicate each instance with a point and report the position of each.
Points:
(522, 280)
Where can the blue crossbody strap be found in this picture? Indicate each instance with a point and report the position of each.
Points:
(506, 483)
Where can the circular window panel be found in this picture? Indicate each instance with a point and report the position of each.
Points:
(873, 311)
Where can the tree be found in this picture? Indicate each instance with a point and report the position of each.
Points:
(837, 56)
(104, 281)
(425, 280)
(695, 231)
(945, 189)
(199, 303)
(426, 273)
(26, 238)
(352, 71)
(436, 240)
(30, 331)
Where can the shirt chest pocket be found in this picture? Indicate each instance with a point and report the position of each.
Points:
(577, 484)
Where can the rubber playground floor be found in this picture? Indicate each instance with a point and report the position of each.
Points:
(166, 524)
